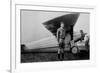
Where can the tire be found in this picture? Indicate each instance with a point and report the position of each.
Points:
(75, 50)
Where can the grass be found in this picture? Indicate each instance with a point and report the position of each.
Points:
(51, 56)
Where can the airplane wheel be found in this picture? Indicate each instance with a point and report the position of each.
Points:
(75, 50)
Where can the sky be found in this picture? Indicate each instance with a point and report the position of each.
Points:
(32, 28)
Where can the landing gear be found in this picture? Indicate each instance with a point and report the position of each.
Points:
(75, 50)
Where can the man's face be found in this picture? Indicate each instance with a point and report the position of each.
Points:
(62, 25)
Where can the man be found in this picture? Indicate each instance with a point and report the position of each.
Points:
(61, 42)
(86, 40)
(82, 35)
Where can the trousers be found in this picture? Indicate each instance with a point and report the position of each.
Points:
(61, 46)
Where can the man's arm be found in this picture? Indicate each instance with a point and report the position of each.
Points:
(58, 35)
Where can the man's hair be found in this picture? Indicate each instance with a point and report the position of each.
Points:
(61, 22)
(81, 30)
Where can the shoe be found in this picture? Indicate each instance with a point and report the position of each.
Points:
(63, 56)
(58, 56)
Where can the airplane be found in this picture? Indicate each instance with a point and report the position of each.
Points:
(50, 44)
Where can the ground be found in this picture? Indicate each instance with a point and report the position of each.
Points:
(51, 56)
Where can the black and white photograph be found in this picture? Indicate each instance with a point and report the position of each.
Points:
(48, 36)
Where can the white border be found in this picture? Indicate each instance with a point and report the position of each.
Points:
(16, 66)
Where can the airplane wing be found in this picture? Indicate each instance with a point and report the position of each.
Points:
(68, 19)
